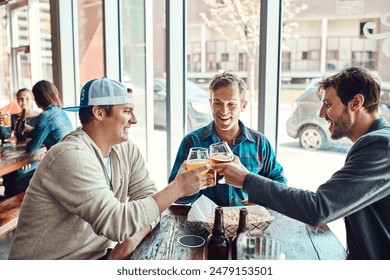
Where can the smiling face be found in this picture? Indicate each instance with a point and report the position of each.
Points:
(226, 106)
(25, 99)
(118, 124)
(337, 114)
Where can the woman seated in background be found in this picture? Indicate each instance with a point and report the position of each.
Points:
(48, 128)
(25, 99)
(52, 123)
(18, 180)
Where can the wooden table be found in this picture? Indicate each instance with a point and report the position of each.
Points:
(14, 157)
(9, 213)
(301, 241)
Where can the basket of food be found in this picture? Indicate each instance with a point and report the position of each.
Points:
(203, 211)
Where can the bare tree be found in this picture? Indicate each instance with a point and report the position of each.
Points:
(240, 20)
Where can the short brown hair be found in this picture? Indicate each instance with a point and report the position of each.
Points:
(352, 81)
(86, 115)
(227, 79)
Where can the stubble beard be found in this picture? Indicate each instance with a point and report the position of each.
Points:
(341, 126)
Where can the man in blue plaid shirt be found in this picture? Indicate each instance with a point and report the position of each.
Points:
(227, 100)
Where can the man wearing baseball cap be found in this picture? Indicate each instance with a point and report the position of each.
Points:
(92, 188)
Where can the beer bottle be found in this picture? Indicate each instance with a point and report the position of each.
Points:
(218, 242)
(20, 123)
(242, 227)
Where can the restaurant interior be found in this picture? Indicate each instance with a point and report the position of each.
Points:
(162, 48)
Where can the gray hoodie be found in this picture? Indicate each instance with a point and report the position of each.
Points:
(71, 210)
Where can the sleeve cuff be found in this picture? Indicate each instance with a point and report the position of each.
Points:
(153, 211)
(247, 182)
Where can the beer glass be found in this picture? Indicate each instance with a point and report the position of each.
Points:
(197, 156)
(220, 152)
(255, 246)
(6, 119)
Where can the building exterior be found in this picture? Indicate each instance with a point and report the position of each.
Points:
(326, 37)
(330, 37)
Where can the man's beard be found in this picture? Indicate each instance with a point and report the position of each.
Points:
(341, 126)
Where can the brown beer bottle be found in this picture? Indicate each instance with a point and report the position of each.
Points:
(218, 242)
(20, 123)
(242, 227)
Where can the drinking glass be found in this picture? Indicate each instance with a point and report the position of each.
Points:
(220, 152)
(7, 120)
(255, 246)
(197, 156)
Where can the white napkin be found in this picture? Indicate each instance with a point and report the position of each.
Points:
(201, 209)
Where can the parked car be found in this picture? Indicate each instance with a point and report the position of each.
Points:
(311, 130)
(198, 106)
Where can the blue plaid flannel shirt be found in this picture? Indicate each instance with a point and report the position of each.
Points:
(253, 149)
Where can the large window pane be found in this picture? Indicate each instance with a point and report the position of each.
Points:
(4, 59)
(218, 39)
(133, 64)
(90, 34)
(322, 40)
(45, 31)
(20, 48)
(158, 149)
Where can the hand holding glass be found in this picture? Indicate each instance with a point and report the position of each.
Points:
(197, 157)
(221, 153)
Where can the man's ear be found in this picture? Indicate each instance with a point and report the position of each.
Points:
(356, 102)
(98, 112)
(243, 105)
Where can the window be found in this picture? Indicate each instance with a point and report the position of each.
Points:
(211, 63)
(366, 59)
(345, 46)
(242, 62)
(332, 54)
(286, 61)
(91, 47)
(225, 57)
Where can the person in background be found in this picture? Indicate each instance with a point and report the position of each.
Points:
(360, 191)
(227, 101)
(17, 181)
(53, 123)
(25, 99)
(92, 188)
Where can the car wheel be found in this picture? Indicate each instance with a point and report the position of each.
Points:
(312, 138)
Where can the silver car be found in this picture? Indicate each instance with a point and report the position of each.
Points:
(198, 106)
(312, 131)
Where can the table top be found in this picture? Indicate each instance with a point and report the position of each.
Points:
(13, 157)
(9, 213)
(302, 242)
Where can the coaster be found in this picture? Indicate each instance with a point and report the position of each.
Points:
(191, 241)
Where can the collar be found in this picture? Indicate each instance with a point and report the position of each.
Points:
(209, 131)
(79, 132)
(378, 124)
